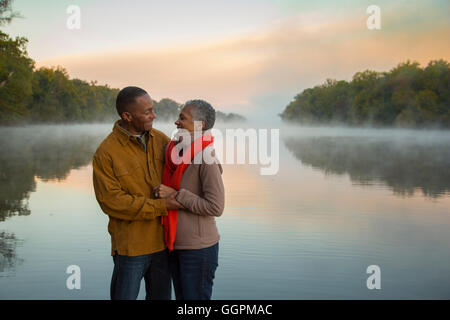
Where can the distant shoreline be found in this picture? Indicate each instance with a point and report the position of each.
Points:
(406, 96)
(244, 125)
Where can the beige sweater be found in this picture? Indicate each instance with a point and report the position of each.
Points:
(202, 194)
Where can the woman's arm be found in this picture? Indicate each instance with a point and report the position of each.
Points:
(213, 201)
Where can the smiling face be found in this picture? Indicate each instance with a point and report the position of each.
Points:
(141, 115)
(185, 119)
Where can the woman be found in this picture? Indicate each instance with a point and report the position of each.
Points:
(193, 176)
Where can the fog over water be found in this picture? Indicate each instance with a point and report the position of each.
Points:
(307, 216)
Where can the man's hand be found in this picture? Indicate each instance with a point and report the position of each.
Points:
(162, 191)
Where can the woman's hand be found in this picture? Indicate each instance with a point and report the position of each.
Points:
(162, 191)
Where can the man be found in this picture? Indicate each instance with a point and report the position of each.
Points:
(127, 165)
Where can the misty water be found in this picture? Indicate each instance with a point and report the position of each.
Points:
(342, 200)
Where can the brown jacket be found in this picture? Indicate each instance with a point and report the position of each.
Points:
(202, 193)
(124, 176)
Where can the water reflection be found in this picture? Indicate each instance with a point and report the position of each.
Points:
(323, 247)
(404, 165)
(35, 152)
(8, 259)
(46, 153)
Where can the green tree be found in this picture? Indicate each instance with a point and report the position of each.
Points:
(6, 12)
(54, 97)
(167, 109)
(16, 70)
(407, 95)
(48, 95)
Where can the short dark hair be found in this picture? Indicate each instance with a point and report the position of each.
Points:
(126, 97)
(202, 111)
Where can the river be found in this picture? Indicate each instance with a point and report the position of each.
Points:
(342, 200)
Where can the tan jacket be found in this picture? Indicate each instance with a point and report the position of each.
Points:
(202, 193)
(124, 176)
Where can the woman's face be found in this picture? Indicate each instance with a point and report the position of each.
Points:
(185, 120)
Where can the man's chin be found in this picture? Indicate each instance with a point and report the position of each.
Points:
(148, 127)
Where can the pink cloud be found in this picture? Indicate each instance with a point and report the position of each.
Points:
(286, 57)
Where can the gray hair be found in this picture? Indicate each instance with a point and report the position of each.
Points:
(202, 111)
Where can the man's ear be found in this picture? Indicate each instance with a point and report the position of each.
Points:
(126, 116)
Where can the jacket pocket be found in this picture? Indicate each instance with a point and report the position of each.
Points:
(128, 175)
(122, 170)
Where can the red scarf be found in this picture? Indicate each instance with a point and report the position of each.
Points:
(171, 177)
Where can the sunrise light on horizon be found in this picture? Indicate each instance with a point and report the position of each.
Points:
(242, 56)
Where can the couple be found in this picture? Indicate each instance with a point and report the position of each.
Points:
(161, 210)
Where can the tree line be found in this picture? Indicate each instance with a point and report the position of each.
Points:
(168, 110)
(406, 96)
(48, 95)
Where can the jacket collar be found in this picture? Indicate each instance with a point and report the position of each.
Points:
(123, 135)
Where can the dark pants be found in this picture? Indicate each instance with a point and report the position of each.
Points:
(193, 272)
(129, 271)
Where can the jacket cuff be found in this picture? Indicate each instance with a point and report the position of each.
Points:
(183, 197)
(159, 206)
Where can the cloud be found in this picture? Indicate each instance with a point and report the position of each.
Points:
(285, 58)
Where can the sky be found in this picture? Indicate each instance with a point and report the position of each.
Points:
(246, 56)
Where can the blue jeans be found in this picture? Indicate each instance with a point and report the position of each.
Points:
(129, 271)
(193, 272)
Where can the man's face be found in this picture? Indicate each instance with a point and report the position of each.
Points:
(141, 115)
